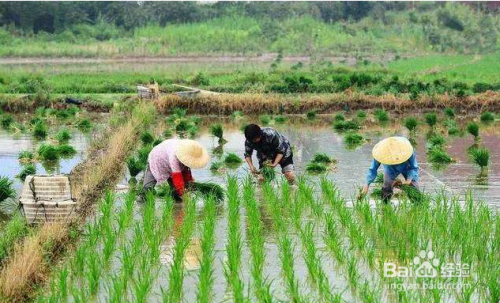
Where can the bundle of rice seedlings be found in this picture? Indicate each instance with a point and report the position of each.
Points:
(323, 158)
(217, 131)
(377, 193)
(437, 140)
(413, 194)
(26, 156)
(167, 133)
(411, 123)
(63, 136)
(379, 178)
(480, 156)
(453, 131)
(431, 119)
(193, 131)
(279, 119)
(449, 112)
(157, 142)
(6, 190)
(147, 138)
(265, 119)
(237, 115)
(345, 125)
(232, 160)
(143, 154)
(268, 173)
(66, 150)
(48, 152)
(437, 155)
(311, 115)
(135, 166)
(27, 170)
(473, 129)
(209, 189)
(6, 121)
(84, 125)
(339, 117)
(353, 139)
(217, 167)
(381, 115)
(316, 168)
(487, 117)
(163, 190)
(40, 130)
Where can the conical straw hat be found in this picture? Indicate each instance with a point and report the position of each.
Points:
(392, 150)
(192, 154)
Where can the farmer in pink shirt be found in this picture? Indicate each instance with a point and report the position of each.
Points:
(171, 161)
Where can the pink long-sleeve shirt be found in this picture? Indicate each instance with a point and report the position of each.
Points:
(163, 162)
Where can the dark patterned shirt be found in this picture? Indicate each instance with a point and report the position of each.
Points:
(271, 144)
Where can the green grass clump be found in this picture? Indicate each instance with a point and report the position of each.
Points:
(217, 131)
(6, 190)
(7, 121)
(40, 130)
(316, 168)
(25, 156)
(135, 166)
(487, 117)
(411, 123)
(265, 119)
(14, 230)
(361, 114)
(29, 169)
(449, 112)
(437, 155)
(311, 115)
(345, 125)
(232, 160)
(48, 152)
(480, 156)
(209, 190)
(280, 119)
(66, 150)
(431, 119)
(323, 158)
(381, 115)
(473, 129)
(147, 138)
(63, 136)
(353, 139)
(84, 125)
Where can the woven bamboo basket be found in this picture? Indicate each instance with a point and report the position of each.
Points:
(47, 199)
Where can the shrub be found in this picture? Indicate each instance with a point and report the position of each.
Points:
(6, 190)
(311, 115)
(381, 115)
(480, 156)
(66, 150)
(6, 121)
(316, 168)
(48, 152)
(232, 159)
(411, 124)
(473, 129)
(449, 112)
(147, 138)
(40, 130)
(487, 117)
(135, 166)
(27, 170)
(265, 119)
(63, 136)
(431, 119)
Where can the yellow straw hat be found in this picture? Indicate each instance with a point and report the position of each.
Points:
(192, 154)
(392, 150)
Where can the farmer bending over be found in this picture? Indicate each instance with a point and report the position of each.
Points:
(270, 146)
(171, 161)
(398, 158)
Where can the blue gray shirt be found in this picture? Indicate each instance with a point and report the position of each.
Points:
(271, 144)
(409, 169)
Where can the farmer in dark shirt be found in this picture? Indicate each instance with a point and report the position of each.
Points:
(271, 146)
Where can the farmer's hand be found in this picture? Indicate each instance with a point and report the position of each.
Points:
(364, 192)
(407, 182)
(396, 183)
(253, 170)
(273, 165)
(260, 178)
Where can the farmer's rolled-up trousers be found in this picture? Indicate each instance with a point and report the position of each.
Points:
(388, 188)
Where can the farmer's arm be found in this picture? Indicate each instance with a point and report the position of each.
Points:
(412, 169)
(277, 160)
(371, 174)
(187, 176)
(177, 175)
(248, 156)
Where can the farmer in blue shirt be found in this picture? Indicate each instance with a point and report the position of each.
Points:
(397, 156)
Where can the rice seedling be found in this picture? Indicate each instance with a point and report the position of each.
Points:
(339, 117)
(236, 115)
(84, 125)
(381, 116)
(311, 115)
(438, 156)
(217, 131)
(449, 112)
(437, 140)
(143, 154)
(206, 274)
(431, 119)
(209, 190)
(268, 173)
(353, 140)
(6, 190)
(481, 157)
(40, 130)
(48, 152)
(265, 119)
(280, 119)
(29, 169)
(135, 166)
(411, 124)
(361, 114)
(217, 167)
(323, 158)
(345, 125)
(232, 160)
(63, 136)
(26, 156)
(473, 129)
(147, 138)
(6, 121)
(316, 168)
(66, 150)
(487, 117)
